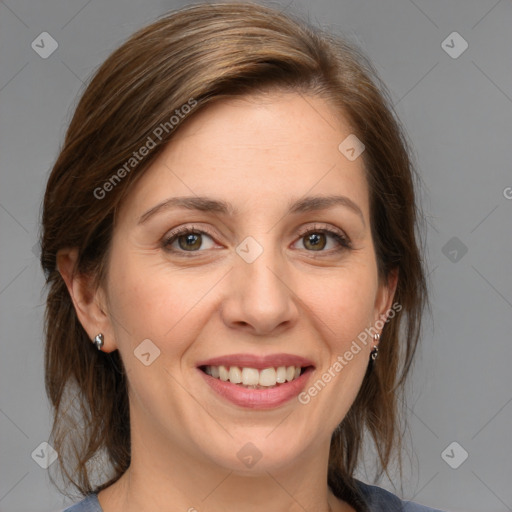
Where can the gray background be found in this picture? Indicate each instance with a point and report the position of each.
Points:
(458, 113)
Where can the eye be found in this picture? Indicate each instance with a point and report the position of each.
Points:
(188, 239)
(316, 239)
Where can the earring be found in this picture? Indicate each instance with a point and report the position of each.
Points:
(98, 341)
(375, 352)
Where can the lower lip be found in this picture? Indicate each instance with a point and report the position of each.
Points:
(258, 398)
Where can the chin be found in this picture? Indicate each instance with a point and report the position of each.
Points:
(257, 452)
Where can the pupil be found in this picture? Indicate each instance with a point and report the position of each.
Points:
(315, 240)
(190, 239)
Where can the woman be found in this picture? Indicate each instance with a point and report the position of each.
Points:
(235, 286)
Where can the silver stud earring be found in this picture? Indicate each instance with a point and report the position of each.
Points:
(98, 341)
(375, 352)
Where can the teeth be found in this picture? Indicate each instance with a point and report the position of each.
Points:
(250, 377)
(253, 378)
(235, 375)
(281, 375)
(223, 373)
(268, 377)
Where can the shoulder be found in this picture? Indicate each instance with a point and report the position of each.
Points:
(381, 500)
(89, 504)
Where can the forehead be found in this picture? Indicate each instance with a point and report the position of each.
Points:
(255, 151)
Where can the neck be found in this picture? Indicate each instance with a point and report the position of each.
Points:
(177, 479)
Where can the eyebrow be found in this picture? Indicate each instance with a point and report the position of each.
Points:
(206, 204)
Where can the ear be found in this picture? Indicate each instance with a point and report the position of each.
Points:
(90, 303)
(385, 295)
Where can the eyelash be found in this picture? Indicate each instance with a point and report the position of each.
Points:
(339, 237)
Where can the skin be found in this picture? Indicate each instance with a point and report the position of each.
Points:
(258, 153)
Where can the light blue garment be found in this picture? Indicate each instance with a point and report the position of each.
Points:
(89, 504)
(380, 500)
(377, 500)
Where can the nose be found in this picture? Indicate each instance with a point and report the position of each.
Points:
(259, 297)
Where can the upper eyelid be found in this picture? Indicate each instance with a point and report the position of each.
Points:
(326, 227)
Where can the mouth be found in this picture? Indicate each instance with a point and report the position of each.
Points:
(252, 378)
(256, 382)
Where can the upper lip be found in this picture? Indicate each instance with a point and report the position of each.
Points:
(257, 361)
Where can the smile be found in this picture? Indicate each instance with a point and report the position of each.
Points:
(252, 378)
(256, 382)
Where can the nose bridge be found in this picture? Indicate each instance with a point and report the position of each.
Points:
(258, 295)
(259, 260)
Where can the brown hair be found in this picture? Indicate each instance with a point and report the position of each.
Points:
(194, 56)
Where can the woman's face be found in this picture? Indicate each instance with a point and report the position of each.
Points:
(245, 287)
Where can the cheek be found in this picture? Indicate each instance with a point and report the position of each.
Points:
(152, 301)
(343, 302)
(342, 309)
